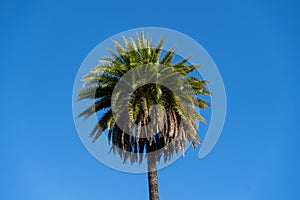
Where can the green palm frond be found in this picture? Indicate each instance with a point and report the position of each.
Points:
(175, 120)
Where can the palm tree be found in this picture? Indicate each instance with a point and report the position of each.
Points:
(176, 119)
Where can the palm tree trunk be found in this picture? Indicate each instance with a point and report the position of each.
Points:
(152, 179)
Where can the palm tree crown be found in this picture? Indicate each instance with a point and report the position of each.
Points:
(176, 117)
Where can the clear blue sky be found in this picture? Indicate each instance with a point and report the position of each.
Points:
(256, 47)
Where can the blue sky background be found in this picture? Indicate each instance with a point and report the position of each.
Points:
(255, 44)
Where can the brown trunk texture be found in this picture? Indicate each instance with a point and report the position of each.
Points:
(152, 179)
